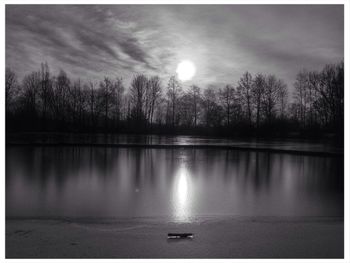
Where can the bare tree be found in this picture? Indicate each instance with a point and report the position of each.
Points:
(212, 111)
(227, 97)
(117, 95)
(137, 95)
(105, 98)
(92, 103)
(270, 97)
(155, 90)
(300, 95)
(31, 89)
(185, 109)
(60, 94)
(160, 111)
(245, 91)
(10, 87)
(173, 94)
(282, 95)
(195, 101)
(45, 93)
(257, 95)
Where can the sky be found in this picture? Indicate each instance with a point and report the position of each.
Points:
(223, 41)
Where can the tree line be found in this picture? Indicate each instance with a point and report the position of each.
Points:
(258, 105)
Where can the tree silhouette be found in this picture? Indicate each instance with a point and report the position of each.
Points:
(258, 92)
(245, 92)
(173, 94)
(255, 106)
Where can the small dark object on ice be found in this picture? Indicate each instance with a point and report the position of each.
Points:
(180, 235)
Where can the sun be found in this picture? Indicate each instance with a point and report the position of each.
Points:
(185, 70)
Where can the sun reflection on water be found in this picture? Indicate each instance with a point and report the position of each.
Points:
(182, 188)
(182, 195)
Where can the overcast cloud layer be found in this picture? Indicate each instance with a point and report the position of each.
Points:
(223, 41)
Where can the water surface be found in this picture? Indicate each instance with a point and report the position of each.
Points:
(179, 184)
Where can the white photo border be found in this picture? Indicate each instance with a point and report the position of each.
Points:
(345, 3)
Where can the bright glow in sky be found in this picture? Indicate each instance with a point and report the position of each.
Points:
(186, 70)
(223, 41)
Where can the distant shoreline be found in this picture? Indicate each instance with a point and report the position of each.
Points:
(180, 146)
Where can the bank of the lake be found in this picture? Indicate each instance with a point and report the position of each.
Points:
(214, 237)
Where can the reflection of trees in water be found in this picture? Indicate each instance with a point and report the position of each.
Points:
(262, 173)
(319, 174)
(42, 164)
(248, 167)
(260, 169)
(136, 172)
(150, 165)
(156, 168)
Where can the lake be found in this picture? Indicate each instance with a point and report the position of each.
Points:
(177, 184)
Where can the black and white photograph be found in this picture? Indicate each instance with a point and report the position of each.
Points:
(162, 131)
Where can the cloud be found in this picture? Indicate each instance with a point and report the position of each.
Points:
(90, 41)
